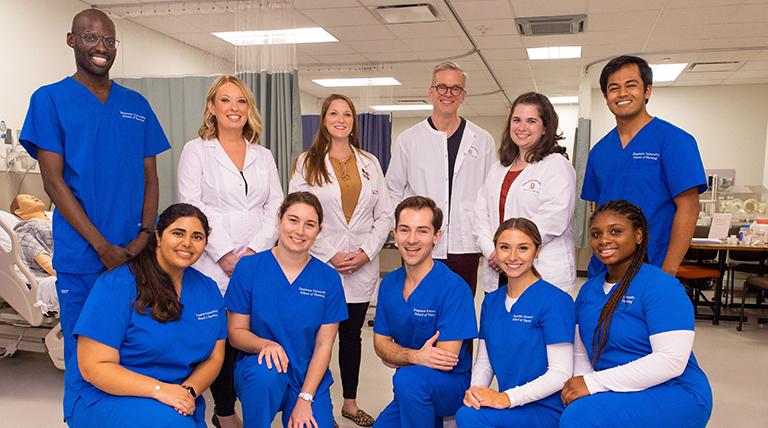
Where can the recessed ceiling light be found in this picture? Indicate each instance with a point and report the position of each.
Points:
(564, 100)
(277, 37)
(363, 81)
(555, 52)
(667, 72)
(402, 107)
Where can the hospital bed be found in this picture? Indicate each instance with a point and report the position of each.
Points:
(23, 325)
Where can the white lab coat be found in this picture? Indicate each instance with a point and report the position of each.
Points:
(545, 193)
(367, 229)
(419, 166)
(208, 179)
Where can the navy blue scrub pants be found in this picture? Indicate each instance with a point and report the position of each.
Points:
(661, 406)
(423, 396)
(531, 415)
(264, 392)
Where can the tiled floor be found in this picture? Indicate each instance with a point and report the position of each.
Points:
(736, 363)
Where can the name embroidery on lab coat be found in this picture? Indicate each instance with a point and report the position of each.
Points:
(525, 319)
(532, 185)
(312, 292)
(472, 152)
(424, 312)
(207, 315)
(134, 116)
(645, 156)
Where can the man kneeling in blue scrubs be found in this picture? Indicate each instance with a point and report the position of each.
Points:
(425, 317)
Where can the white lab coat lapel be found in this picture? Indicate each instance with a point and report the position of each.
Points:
(221, 156)
(250, 154)
(333, 187)
(366, 177)
(465, 149)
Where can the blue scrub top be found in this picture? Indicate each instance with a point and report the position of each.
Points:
(289, 314)
(441, 302)
(654, 303)
(659, 163)
(168, 352)
(103, 146)
(517, 340)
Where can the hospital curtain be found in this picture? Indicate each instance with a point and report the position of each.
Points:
(178, 103)
(375, 134)
(277, 95)
(580, 154)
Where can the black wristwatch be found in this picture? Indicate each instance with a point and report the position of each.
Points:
(146, 230)
(191, 390)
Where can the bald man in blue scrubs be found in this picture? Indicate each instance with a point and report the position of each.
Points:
(96, 143)
(425, 319)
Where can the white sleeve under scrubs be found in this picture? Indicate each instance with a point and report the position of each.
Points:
(168, 351)
(654, 303)
(516, 342)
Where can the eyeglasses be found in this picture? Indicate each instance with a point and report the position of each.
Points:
(91, 40)
(443, 89)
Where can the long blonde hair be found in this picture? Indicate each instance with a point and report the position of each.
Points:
(253, 127)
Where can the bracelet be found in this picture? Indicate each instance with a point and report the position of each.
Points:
(191, 390)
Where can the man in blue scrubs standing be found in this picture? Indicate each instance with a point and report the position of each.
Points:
(647, 161)
(425, 317)
(96, 143)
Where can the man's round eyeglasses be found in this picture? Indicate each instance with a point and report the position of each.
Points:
(91, 40)
(443, 89)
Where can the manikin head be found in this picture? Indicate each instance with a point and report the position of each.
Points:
(28, 207)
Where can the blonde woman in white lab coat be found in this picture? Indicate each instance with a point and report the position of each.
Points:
(234, 181)
(358, 217)
(533, 179)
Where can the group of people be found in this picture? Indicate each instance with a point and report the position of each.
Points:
(242, 290)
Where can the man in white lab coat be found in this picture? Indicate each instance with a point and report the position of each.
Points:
(445, 157)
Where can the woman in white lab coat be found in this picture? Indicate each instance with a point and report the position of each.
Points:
(234, 181)
(532, 179)
(358, 217)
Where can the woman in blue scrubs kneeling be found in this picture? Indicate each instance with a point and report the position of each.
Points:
(526, 340)
(284, 310)
(632, 353)
(151, 335)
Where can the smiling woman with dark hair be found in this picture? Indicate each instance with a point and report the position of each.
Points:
(151, 335)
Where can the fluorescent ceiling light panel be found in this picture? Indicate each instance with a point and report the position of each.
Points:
(555, 52)
(667, 72)
(402, 107)
(564, 100)
(277, 37)
(363, 81)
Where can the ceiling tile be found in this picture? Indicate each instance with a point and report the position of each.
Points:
(484, 9)
(350, 16)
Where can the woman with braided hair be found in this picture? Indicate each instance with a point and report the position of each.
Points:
(633, 359)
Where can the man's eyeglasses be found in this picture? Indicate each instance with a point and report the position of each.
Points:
(91, 40)
(443, 89)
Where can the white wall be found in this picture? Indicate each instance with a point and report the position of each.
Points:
(35, 52)
(728, 122)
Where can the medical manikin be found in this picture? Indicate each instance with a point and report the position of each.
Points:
(35, 234)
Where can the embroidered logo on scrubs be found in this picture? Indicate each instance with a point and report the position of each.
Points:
(472, 152)
(134, 116)
(312, 292)
(207, 315)
(645, 156)
(532, 185)
(628, 299)
(424, 313)
(526, 319)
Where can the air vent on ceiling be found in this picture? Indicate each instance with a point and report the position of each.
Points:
(711, 66)
(551, 25)
(406, 13)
